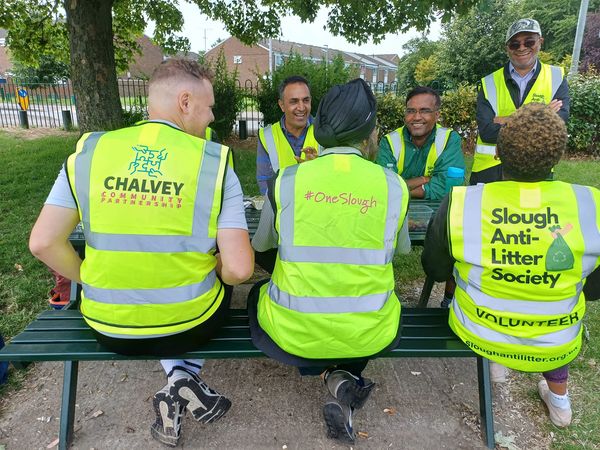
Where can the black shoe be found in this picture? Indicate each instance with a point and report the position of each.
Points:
(167, 426)
(338, 419)
(345, 387)
(205, 404)
(446, 302)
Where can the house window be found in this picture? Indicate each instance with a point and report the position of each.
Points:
(385, 76)
(237, 59)
(374, 79)
(2, 42)
(278, 60)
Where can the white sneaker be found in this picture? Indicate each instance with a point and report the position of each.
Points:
(561, 417)
(498, 372)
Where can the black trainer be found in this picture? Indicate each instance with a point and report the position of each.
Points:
(345, 387)
(338, 419)
(205, 404)
(446, 302)
(169, 414)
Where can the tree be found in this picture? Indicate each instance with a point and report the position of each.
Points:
(97, 27)
(415, 51)
(591, 44)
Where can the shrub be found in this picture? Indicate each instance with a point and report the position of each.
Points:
(134, 114)
(584, 121)
(390, 113)
(320, 75)
(229, 97)
(458, 112)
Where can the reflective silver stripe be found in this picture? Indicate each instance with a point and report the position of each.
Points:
(287, 182)
(271, 147)
(335, 255)
(472, 225)
(519, 306)
(161, 296)
(198, 241)
(83, 167)
(589, 229)
(557, 79)
(323, 305)
(440, 140)
(396, 145)
(133, 337)
(490, 89)
(289, 252)
(554, 339)
(484, 149)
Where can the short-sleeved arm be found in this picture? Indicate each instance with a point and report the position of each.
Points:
(232, 210)
(436, 258)
(264, 170)
(385, 157)
(452, 156)
(60, 194)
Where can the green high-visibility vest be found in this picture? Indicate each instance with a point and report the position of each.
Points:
(332, 290)
(149, 197)
(396, 141)
(495, 91)
(279, 149)
(523, 251)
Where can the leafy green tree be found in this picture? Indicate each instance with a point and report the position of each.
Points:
(97, 27)
(591, 43)
(473, 45)
(415, 51)
(426, 70)
(48, 71)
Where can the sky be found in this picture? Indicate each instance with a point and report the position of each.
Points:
(203, 33)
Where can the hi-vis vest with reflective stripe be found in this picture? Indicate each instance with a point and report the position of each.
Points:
(149, 197)
(332, 290)
(396, 141)
(279, 149)
(495, 91)
(523, 251)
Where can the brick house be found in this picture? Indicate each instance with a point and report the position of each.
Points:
(151, 56)
(253, 61)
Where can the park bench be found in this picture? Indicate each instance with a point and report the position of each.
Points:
(63, 335)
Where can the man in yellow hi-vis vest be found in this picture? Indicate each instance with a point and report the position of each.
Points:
(523, 79)
(337, 221)
(291, 139)
(521, 250)
(155, 200)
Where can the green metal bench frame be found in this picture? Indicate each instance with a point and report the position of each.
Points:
(64, 336)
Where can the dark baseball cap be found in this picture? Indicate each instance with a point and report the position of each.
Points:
(523, 25)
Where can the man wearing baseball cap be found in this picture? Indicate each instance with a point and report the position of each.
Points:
(523, 79)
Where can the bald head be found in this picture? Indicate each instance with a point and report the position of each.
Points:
(180, 91)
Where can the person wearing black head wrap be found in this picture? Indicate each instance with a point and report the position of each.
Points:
(333, 266)
(347, 115)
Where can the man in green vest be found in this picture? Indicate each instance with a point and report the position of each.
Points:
(330, 304)
(422, 151)
(523, 79)
(521, 250)
(289, 140)
(155, 200)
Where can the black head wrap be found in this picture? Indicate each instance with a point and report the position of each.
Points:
(346, 114)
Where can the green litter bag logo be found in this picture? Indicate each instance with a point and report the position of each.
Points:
(559, 256)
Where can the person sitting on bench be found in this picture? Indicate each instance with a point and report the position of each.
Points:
(155, 200)
(521, 250)
(330, 304)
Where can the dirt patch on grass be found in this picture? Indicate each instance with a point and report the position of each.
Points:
(37, 133)
(238, 144)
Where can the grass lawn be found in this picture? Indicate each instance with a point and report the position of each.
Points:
(30, 167)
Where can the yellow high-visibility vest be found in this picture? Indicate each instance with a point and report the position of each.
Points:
(279, 149)
(332, 290)
(523, 251)
(495, 91)
(149, 197)
(396, 141)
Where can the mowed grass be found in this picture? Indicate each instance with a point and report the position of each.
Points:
(29, 168)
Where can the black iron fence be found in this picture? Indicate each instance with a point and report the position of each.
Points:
(53, 105)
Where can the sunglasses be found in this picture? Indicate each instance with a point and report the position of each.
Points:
(528, 43)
